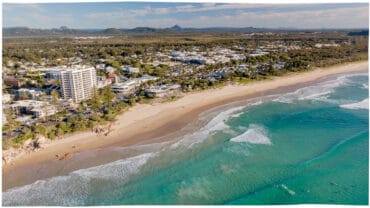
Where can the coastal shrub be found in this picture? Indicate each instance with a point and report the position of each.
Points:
(52, 134)
(23, 138)
(6, 127)
(7, 143)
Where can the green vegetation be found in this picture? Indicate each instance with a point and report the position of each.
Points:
(140, 52)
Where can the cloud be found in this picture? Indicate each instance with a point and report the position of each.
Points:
(328, 18)
(191, 15)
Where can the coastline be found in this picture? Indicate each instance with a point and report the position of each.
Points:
(143, 123)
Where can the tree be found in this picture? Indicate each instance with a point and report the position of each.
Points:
(132, 100)
(23, 96)
(9, 118)
(95, 100)
(108, 96)
(55, 97)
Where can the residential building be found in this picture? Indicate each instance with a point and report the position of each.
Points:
(53, 74)
(103, 81)
(130, 69)
(38, 109)
(78, 83)
(129, 85)
(162, 90)
(124, 87)
(31, 93)
(109, 69)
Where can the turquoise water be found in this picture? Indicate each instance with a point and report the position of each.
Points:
(306, 146)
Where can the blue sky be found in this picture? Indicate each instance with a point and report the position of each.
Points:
(160, 15)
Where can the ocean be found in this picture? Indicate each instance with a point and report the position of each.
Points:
(305, 146)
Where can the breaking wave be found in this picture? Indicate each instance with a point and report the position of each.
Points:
(214, 125)
(364, 104)
(320, 91)
(255, 135)
(76, 187)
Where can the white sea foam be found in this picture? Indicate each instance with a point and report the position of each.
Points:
(291, 192)
(364, 104)
(214, 125)
(255, 135)
(198, 189)
(365, 86)
(320, 91)
(76, 187)
(259, 102)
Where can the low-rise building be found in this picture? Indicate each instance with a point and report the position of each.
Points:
(109, 69)
(53, 75)
(124, 87)
(163, 90)
(31, 93)
(100, 66)
(37, 109)
(130, 69)
(103, 82)
(131, 84)
(326, 45)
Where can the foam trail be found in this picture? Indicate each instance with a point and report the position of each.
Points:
(76, 187)
(316, 92)
(291, 192)
(255, 135)
(365, 86)
(364, 104)
(214, 125)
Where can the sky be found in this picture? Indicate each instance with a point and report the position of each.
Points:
(99, 15)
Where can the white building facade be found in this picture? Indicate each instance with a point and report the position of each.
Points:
(78, 84)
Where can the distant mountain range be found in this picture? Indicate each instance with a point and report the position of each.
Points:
(65, 31)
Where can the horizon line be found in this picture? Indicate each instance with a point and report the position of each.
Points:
(205, 27)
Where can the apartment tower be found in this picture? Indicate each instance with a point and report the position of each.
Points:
(78, 83)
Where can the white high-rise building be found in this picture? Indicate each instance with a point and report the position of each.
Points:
(78, 83)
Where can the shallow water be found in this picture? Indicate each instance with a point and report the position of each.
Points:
(306, 146)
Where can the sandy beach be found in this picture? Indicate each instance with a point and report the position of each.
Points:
(144, 122)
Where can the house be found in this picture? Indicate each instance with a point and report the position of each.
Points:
(100, 66)
(130, 69)
(109, 69)
(113, 77)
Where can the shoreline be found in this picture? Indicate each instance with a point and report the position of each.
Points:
(145, 123)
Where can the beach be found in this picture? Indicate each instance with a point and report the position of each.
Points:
(145, 123)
